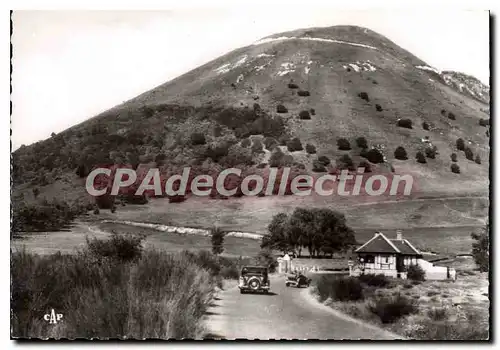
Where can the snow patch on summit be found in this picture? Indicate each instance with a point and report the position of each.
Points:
(282, 38)
(431, 69)
(228, 66)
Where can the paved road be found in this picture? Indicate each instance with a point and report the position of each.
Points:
(285, 313)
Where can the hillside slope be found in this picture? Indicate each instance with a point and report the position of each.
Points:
(347, 81)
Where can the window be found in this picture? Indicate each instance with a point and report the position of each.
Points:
(385, 260)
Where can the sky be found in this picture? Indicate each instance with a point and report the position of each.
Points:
(70, 66)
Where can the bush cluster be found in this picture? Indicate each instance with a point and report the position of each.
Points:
(339, 288)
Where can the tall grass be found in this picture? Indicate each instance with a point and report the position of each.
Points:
(101, 295)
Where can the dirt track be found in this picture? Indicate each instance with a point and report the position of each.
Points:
(285, 313)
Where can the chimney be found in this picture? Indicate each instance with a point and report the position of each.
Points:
(399, 235)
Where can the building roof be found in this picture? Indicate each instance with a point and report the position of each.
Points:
(381, 244)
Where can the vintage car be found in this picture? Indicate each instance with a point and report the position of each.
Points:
(297, 280)
(254, 279)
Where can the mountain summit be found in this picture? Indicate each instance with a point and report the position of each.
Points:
(318, 99)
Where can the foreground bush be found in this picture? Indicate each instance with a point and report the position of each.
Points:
(378, 280)
(339, 288)
(102, 295)
(390, 309)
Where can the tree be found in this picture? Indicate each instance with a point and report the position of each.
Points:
(481, 249)
(454, 157)
(405, 123)
(430, 152)
(277, 239)
(311, 149)
(321, 231)
(217, 236)
(294, 145)
(400, 153)
(361, 142)
(421, 158)
(374, 156)
(478, 159)
(468, 153)
(343, 144)
(460, 144)
(345, 162)
(455, 168)
(425, 126)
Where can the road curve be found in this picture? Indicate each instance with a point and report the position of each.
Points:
(284, 313)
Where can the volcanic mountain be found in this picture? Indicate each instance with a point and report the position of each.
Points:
(285, 99)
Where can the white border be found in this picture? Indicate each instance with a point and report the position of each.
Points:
(430, 5)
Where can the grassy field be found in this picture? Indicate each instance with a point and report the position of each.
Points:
(112, 289)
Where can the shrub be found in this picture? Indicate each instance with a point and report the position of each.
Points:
(96, 211)
(120, 247)
(304, 115)
(378, 108)
(477, 159)
(341, 289)
(430, 152)
(454, 157)
(257, 146)
(378, 280)
(366, 165)
(451, 116)
(400, 153)
(303, 93)
(256, 108)
(270, 143)
(455, 169)
(425, 126)
(481, 248)
(361, 142)
(468, 153)
(293, 86)
(460, 144)
(313, 111)
(390, 309)
(405, 123)
(416, 273)
(281, 109)
(198, 138)
(421, 158)
(324, 160)
(318, 167)
(217, 238)
(294, 145)
(343, 144)
(364, 96)
(484, 122)
(373, 155)
(245, 142)
(311, 149)
(443, 112)
(345, 162)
